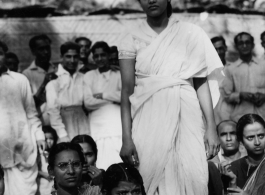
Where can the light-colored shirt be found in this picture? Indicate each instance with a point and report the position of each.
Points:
(36, 75)
(19, 127)
(108, 83)
(65, 91)
(244, 77)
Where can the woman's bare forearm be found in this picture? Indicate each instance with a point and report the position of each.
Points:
(203, 92)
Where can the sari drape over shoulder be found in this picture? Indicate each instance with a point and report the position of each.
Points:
(256, 183)
(168, 126)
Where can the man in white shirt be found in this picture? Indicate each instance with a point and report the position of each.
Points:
(20, 131)
(244, 84)
(65, 96)
(40, 72)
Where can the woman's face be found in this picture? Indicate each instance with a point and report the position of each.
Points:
(49, 140)
(154, 8)
(253, 139)
(89, 154)
(124, 188)
(66, 171)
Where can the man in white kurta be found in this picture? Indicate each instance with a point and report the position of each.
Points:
(20, 130)
(244, 85)
(65, 96)
(40, 72)
(102, 97)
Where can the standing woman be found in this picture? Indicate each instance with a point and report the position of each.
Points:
(165, 94)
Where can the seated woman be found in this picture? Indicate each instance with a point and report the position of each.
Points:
(251, 132)
(122, 179)
(91, 174)
(65, 165)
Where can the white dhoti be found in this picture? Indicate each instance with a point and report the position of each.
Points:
(21, 180)
(75, 121)
(105, 125)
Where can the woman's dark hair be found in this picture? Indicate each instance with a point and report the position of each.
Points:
(169, 9)
(245, 120)
(49, 129)
(62, 147)
(100, 44)
(121, 172)
(79, 139)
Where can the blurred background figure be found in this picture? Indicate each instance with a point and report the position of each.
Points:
(102, 97)
(85, 63)
(114, 57)
(12, 61)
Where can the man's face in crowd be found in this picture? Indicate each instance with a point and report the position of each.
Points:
(263, 42)
(70, 60)
(12, 64)
(254, 139)
(84, 48)
(228, 138)
(101, 58)
(2, 57)
(244, 45)
(114, 58)
(42, 51)
(220, 48)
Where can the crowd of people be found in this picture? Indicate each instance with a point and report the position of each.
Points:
(62, 132)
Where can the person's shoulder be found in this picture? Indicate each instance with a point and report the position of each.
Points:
(90, 73)
(238, 163)
(18, 76)
(190, 26)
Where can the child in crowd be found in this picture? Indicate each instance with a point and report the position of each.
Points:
(251, 132)
(45, 181)
(91, 174)
(122, 179)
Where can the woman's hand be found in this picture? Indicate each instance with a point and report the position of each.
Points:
(95, 174)
(128, 153)
(212, 143)
(236, 191)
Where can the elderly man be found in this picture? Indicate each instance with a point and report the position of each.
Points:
(244, 85)
(20, 131)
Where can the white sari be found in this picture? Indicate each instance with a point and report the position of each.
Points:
(168, 126)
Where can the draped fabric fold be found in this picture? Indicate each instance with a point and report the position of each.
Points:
(168, 126)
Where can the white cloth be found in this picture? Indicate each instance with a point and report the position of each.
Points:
(20, 180)
(168, 126)
(20, 128)
(65, 97)
(36, 77)
(104, 118)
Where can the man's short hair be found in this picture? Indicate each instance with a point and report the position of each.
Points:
(262, 35)
(12, 55)
(223, 122)
(82, 39)
(241, 34)
(69, 46)
(3, 46)
(32, 41)
(101, 44)
(218, 38)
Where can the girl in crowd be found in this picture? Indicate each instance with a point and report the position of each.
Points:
(251, 132)
(45, 182)
(102, 98)
(65, 165)
(165, 93)
(91, 174)
(122, 179)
